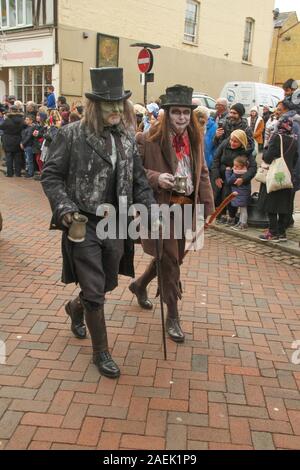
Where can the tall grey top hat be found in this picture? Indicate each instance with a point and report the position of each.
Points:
(107, 85)
(178, 95)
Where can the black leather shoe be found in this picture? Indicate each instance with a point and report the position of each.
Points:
(75, 311)
(142, 297)
(107, 365)
(174, 330)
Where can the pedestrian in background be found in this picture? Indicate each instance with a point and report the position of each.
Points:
(12, 128)
(27, 145)
(257, 125)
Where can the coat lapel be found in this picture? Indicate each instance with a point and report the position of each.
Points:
(170, 158)
(98, 145)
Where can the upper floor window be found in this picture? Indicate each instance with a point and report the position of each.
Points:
(21, 13)
(191, 21)
(248, 40)
(43, 12)
(16, 13)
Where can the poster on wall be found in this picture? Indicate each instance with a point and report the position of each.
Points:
(107, 51)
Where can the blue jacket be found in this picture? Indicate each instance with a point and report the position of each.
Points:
(210, 148)
(51, 101)
(244, 191)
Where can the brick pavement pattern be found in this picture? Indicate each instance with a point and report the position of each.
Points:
(232, 385)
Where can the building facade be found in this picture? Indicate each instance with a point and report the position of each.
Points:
(28, 58)
(204, 43)
(285, 52)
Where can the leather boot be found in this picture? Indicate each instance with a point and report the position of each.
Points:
(95, 321)
(173, 324)
(139, 287)
(75, 311)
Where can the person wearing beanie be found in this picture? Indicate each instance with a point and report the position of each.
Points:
(235, 120)
(239, 108)
(241, 137)
(257, 126)
(235, 146)
(290, 88)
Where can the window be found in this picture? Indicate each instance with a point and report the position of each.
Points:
(32, 82)
(248, 40)
(191, 21)
(43, 12)
(16, 13)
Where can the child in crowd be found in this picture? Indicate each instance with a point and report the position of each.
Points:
(27, 145)
(234, 178)
(39, 131)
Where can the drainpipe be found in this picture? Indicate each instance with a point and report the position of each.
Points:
(275, 60)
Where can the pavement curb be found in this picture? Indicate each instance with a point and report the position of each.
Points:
(247, 236)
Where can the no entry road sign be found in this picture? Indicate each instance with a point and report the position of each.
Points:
(145, 60)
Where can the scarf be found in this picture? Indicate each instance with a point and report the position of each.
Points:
(181, 145)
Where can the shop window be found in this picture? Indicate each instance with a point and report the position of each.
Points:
(31, 83)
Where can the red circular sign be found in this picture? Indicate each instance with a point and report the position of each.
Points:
(145, 60)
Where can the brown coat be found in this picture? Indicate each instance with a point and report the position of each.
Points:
(157, 160)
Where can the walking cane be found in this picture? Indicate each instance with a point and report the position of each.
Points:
(161, 296)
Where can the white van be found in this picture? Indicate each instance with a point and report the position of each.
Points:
(252, 94)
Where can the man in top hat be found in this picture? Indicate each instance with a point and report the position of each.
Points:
(91, 163)
(174, 147)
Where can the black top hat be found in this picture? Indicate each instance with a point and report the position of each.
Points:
(107, 85)
(178, 95)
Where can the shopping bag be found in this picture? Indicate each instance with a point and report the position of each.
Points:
(279, 176)
(261, 175)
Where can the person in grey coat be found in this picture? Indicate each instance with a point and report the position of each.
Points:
(91, 163)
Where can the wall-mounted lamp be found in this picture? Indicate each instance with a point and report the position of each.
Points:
(85, 35)
(227, 54)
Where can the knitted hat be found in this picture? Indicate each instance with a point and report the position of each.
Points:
(241, 136)
(239, 108)
(254, 109)
(43, 116)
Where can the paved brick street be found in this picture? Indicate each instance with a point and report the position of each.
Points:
(233, 385)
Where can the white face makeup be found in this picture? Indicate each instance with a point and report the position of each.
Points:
(180, 118)
(112, 112)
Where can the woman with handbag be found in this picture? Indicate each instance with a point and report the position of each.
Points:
(276, 194)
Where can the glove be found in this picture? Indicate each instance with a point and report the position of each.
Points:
(67, 219)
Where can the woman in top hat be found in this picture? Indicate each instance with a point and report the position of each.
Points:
(173, 148)
(94, 162)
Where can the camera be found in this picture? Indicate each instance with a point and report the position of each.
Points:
(221, 124)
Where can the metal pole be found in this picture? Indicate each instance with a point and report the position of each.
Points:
(145, 90)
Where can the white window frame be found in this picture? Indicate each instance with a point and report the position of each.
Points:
(192, 38)
(248, 41)
(33, 85)
(24, 24)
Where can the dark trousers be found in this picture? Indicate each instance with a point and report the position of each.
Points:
(278, 223)
(96, 263)
(14, 163)
(232, 211)
(290, 218)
